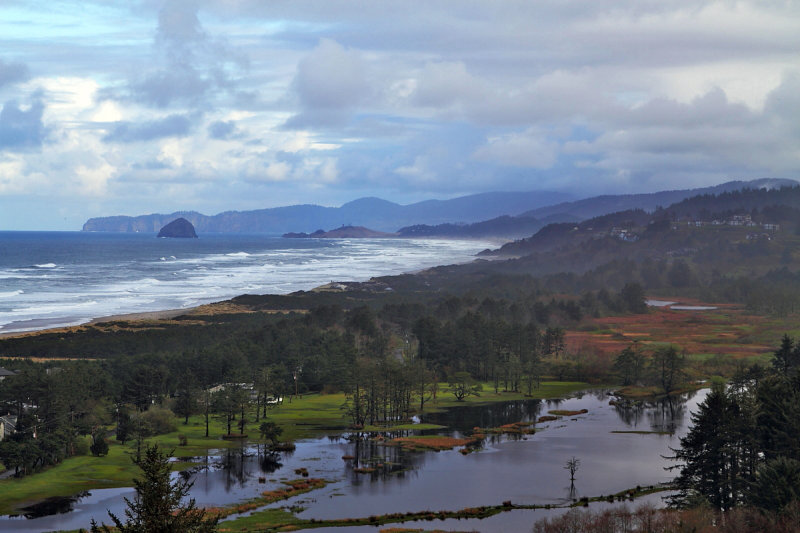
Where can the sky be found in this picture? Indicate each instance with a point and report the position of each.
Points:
(134, 107)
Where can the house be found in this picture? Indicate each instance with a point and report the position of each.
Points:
(248, 387)
(8, 425)
(623, 234)
(740, 220)
(6, 373)
(772, 227)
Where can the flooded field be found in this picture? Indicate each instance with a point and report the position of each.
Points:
(619, 447)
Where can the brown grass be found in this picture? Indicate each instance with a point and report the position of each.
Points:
(294, 487)
(562, 412)
(435, 443)
(727, 331)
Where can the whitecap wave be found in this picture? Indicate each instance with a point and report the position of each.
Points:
(48, 309)
(152, 284)
(10, 294)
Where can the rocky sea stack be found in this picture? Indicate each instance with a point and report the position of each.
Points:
(179, 228)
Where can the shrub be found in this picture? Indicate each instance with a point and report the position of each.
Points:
(159, 420)
(99, 445)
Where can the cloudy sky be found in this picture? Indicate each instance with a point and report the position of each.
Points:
(158, 106)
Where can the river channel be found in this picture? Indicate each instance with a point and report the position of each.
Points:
(525, 469)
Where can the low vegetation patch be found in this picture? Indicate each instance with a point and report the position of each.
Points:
(562, 412)
(645, 432)
(429, 442)
(515, 428)
(294, 487)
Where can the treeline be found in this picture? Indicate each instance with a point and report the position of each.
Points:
(776, 202)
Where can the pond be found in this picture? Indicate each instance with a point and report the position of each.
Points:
(525, 469)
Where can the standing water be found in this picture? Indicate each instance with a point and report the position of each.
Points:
(525, 469)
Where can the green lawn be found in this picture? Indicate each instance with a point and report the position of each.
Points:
(74, 475)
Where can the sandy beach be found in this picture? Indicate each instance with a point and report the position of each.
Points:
(146, 316)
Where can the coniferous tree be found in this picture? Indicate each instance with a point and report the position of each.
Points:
(720, 453)
(787, 357)
(777, 485)
(158, 505)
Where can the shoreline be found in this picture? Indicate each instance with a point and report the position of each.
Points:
(40, 326)
(140, 316)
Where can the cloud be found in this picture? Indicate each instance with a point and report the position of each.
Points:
(441, 85)
(222, 130)
(21, 129)
(666, 143)
(170, 126)
(12, 73)
(527, 149)
(191, 64)
(319, 101)
(329, 82)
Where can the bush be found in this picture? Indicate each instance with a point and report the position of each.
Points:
(158, 421)
(99, 445)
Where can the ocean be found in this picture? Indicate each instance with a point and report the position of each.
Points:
(53, 279)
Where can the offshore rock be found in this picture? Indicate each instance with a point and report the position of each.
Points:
(179, 228)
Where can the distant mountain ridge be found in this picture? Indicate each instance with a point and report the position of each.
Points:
(601, 205)
(756, 208)
(530, 222)
(374, 213)
(496, 214)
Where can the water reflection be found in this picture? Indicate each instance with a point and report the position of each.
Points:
(371, 460)
(464, 418)
(666, 414)
(51, 506)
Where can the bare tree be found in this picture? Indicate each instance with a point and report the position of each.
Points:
(572, 465)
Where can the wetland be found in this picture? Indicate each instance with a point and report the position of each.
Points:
(620, 444)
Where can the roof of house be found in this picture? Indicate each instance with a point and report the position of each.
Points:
(4, 372)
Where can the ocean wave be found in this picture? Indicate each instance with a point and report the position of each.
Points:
(104, 289)
(48, 309)
(10, 294)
